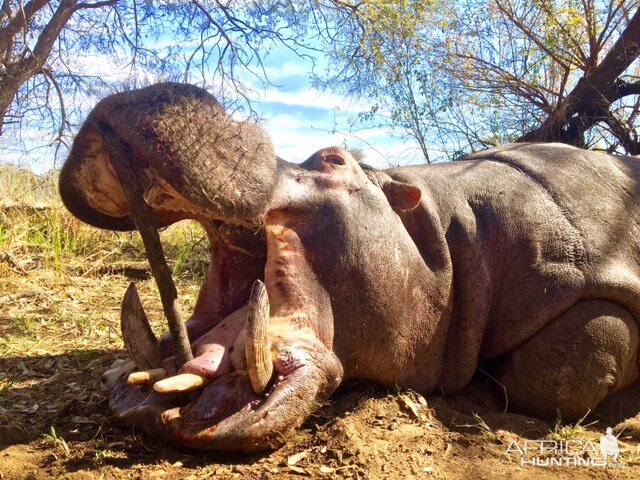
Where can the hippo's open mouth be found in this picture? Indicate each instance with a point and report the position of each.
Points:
(262, 329)
(259, 369)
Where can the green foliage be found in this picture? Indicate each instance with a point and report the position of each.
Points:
(486, 430)
(52, 438)
(569, 431)
(466, 75)
(456, 76)
(189, 249)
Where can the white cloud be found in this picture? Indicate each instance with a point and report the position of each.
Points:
(294, 140)
(310, 98)
(299, 122)
(288, 68)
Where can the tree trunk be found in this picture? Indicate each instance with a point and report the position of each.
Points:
(589, 102)
(20, 71)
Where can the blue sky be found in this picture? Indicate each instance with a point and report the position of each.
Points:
(299, 118)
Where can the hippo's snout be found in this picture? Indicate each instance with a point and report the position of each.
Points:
(192, 159)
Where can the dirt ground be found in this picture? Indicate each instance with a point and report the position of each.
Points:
(58, 333)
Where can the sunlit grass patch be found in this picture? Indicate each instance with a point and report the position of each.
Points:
(61, 281)
(35, 226)
(486, 431)
(569, 431)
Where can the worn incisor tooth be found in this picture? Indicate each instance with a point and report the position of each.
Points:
(184, 382)
(147, 376)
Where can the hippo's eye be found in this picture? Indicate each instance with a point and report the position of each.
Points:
(335, 159)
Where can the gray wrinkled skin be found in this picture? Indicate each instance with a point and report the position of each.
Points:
(525, 258)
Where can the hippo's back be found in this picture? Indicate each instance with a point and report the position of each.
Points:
(599, 193)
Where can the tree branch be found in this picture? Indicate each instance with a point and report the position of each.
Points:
(621, 132)
(18, 22)
(105, 3)
(594, 92)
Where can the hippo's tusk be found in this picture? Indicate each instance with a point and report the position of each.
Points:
(182, 383)
(147, 376)
(258, 345)
(139, 339)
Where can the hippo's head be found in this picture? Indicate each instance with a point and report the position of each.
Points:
(313, 277)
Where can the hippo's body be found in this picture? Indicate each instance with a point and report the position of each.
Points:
(525, 257)
(536, 233)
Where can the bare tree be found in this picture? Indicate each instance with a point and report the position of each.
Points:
(590, 101)
(49, 49)
(26, 42)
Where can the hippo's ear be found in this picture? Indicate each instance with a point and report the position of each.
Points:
(402, 196)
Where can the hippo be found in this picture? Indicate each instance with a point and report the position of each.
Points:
(524, 259)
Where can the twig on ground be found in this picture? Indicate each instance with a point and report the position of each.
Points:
(11, 260)
(10, 297)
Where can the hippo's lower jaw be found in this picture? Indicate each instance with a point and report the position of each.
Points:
(226, 414)
(257, 374)
(229, 416)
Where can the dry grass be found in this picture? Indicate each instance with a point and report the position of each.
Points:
(35, 226)
(48, 259)
(61, 283)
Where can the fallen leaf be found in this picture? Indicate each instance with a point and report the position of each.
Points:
(298, 469)
(293, 459)
(31, 409)
(64, 445)
(416, 407)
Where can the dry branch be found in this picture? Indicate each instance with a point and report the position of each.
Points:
(142, 215)
(11, 260)
(590, 100)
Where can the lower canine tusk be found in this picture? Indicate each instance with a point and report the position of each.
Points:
(139, 339)
(258, 345)
(147, 376)
(182, 383)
